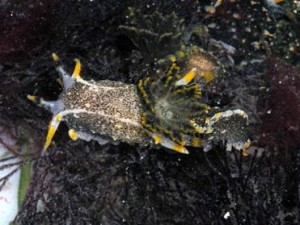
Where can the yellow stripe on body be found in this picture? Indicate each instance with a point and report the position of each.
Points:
(167, 82)
(172, 69)
(199, 129)
(145, 95)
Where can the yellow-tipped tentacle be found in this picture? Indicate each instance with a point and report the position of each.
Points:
(196, 142)
(32, 98)
(167, 143)
(51, 130)
(55, 57)
(187, 78)
(172, 58)
(72, 134)
(77, 69)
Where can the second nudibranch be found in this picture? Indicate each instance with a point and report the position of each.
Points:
(167, 109)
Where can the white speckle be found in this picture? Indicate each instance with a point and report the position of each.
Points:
(248, 29)
(229, 48)
(236, 16)
(40, 206)
(267, 33)
(233, 30)
(212, 25)
(227, 113)
(271, 3)
(269, 111)
(226, 215)
(68, 222)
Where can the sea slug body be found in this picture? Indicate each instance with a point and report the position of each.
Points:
(167, 110)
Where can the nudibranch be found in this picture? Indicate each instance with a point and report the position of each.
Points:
(103, 111)
(167, 109)
(175, 111)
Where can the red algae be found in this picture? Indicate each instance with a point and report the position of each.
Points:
(281, 119)
(24, 25)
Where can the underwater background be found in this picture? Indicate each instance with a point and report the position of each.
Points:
(256, 42)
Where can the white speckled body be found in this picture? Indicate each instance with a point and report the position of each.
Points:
(108, 109)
